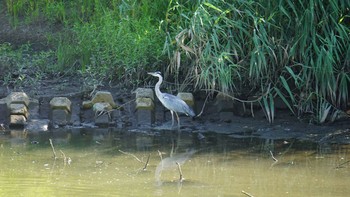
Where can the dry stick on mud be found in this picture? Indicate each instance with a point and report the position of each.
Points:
(276, 160)
(161, 159)
(160, 155)
(53, 149)
(66, 160)
(248, 194)
(203, 106)
(131, 155)
(180, 171)
(237, 99)
(240, 100)
(342, 164)
(146, 164)
(64, 157)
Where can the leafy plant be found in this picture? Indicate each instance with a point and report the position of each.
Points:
(300, 49)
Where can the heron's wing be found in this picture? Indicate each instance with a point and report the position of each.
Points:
(176, 104)
(173, 100)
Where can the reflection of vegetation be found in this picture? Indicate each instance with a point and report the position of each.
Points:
(297, 52)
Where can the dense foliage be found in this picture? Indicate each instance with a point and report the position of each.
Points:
(295, 51)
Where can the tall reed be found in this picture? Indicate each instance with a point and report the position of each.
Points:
(299, 49)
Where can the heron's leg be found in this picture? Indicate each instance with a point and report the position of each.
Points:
(172, 118)
(178, 120)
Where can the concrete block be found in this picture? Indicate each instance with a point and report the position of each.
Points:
(144, 103)
(19, 109)
(60, 117)
(18, 98)
(103, 97)
(145, 117)
(101, 107)
(187, 97)
(87, 104)
(144, 93)
(103, 120)
(223, 103)
(18, 120)
(61, 103)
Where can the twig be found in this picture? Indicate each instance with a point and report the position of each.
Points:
(243, 101)
(160, 155)
(66, 160)
(64, 157)
(180, 171)
(53, 149)
(342, 164)
(248, 194)
(131, 155)
(203, 106)
(276, 160)
(146, 164)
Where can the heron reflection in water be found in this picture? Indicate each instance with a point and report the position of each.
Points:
(171, 102)
(172, 162)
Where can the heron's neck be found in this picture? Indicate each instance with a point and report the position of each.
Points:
(157, 88)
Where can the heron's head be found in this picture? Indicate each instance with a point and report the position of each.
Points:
(156, 74)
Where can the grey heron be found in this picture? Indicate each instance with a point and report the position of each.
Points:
(171, 102)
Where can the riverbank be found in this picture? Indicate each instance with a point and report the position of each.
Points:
(79, 88)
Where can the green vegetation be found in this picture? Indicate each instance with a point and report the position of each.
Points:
(295, 51)
(23, 65)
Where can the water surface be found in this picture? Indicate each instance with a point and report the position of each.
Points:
(108, 162)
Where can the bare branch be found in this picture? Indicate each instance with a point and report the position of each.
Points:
(180, 171)
(53, 149)
(126, 153)
(247, 194)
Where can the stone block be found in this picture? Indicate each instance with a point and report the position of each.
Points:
(18, 120)
(60, 117)
(144, 93)
(101, 107)
(87, 104)
(103, 119)
(19, 109)
(61, 103)
(187, 97)
(103, 114)
(103, 97)
(145, 117)
(144, 103)
(19, 98)
(223, 103)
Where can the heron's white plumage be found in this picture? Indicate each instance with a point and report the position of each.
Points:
(171, 102)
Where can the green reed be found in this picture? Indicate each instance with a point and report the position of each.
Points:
(298, 49)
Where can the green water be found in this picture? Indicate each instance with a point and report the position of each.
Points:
(111, 163)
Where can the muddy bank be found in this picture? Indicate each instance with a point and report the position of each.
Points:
(78, 90)
(285, 126)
